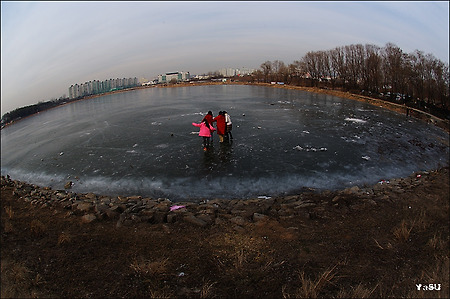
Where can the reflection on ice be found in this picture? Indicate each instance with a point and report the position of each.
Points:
(142, 143)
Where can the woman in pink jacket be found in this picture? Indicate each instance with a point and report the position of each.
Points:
(205, 132)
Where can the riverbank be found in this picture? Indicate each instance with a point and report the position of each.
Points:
(373, 241)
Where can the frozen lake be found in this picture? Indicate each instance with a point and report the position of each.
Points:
(143, 143)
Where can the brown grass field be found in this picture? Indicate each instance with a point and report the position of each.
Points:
(378, 251)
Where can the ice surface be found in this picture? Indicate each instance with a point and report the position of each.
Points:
(142, 142)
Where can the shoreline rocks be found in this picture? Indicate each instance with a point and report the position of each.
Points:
(237, 212)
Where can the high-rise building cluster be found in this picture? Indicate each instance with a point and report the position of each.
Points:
(96, 86)
(231, 72)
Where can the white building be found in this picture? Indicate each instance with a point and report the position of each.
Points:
(228, 72)
(178, 76)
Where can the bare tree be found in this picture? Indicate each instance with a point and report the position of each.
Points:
(280, 70)
(258, 75)
(310, 65)
(372, 75)
(338, 64)
(267, 70)
(416, 66)
(441, 74)
(393, 62)
(446, 86)
(294, 72)
(354, 56)
(324, 65)
(430, 63)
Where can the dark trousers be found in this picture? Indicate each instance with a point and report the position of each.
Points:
(228, 132)
(206, 141)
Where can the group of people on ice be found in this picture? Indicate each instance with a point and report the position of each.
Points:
(207, 128)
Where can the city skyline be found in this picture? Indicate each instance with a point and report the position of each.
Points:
(48, 46)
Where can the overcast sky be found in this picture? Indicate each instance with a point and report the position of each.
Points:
(48, 46)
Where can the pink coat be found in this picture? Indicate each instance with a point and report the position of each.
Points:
(204, 131)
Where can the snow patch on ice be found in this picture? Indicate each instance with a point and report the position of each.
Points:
(355, 120)
(310, 149)
(194, 113)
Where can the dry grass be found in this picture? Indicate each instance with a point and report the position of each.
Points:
(64, 238)
(8, 227)
(403, 232)
(436, 275)
(314, 288)
(207, 290)
(239, 250)
(17, 281)
(9, 212)
(146, 267)
(311, 288)
(38, 280)
(240, 259)
(358, 292)
(37, 227)
(422, 222)
(386, 246)
(163, 293)
(436, 243)
(151, 274)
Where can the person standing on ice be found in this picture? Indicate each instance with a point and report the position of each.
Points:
(229, 125)
(221, 125)
(205, 132)
(209, 117)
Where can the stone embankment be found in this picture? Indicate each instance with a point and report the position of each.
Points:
(236, 212)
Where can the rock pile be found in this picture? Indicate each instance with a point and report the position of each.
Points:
(127, 210)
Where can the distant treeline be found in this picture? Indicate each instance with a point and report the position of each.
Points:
(32, 109)
(417, 80)
(22, 112)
